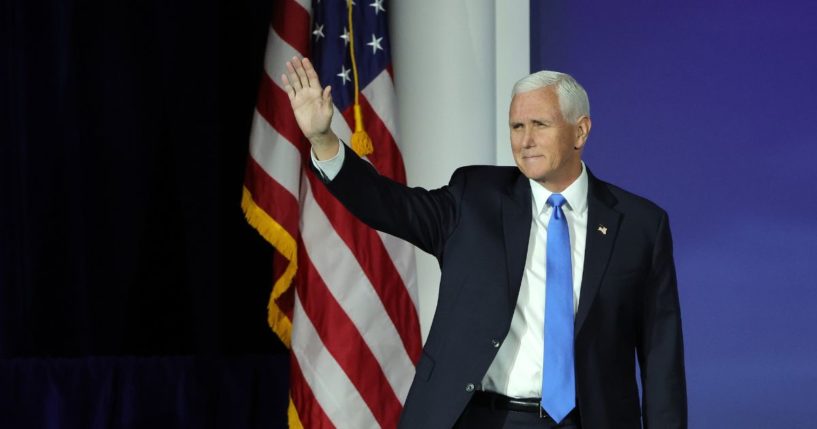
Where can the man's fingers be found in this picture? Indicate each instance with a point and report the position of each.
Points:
(300, 75)
(294, 80)
(327, 96)
(311, 74)
(287, 87)
(299, 69)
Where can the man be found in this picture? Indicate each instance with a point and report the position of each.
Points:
(552, 280)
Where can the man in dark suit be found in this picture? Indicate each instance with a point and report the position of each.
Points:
(552, 280)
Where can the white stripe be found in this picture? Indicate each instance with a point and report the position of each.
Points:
(341, 127)
(351, 288)
(337, 396)
(277, 55)
(275, 154)
(380, 94)
(401, 253)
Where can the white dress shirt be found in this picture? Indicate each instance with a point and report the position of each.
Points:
(517, 369)
(329, 167)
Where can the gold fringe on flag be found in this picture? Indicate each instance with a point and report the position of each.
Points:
(284, 243)
(292, 413)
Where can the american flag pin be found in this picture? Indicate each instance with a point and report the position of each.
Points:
(602, 229)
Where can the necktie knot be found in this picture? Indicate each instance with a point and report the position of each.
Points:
(556, 200)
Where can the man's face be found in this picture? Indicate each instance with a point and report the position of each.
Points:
(545, 146)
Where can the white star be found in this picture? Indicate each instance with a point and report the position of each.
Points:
(375, 43)
(378, 6)
(318, 33)
(344, 74)
(345, 36)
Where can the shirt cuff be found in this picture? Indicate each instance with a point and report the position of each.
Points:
(330, 167)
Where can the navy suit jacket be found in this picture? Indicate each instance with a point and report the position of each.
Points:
(478, 228)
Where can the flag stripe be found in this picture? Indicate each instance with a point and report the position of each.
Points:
(306, 4)
(342, 340)
(380, 271)
(338, 397)
(383, 106)
(341, 128)
(291, 22)
(278, 158)
(310, 414)
(402, 255)
(272, 198)
(278, 53)
(385, 342)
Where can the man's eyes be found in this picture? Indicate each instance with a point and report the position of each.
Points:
(537, 124)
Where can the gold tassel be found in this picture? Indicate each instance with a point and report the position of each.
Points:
(361, 142)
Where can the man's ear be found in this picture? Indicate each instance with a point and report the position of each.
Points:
(582, 131)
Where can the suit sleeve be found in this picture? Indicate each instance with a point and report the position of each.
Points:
(422, 217)
(660, 349)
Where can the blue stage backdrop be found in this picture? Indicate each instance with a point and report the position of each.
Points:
(710, 110)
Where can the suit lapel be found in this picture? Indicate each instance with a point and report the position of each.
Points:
(602, 229)
(516, 221)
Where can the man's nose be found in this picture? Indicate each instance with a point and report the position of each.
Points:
(527, 139)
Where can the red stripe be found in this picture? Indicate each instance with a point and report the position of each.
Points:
(386, 157)
(274, 107)
(271, 197)
(342, 339)
(309, 410)
(291, 21)
(367, 247)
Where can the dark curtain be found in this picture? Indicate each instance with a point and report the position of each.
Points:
(127, 271)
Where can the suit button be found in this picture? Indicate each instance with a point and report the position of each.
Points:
(495, 343)
(469, 387)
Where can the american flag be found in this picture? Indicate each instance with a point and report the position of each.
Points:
(345, 296)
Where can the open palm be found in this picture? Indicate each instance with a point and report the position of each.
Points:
(311, 104)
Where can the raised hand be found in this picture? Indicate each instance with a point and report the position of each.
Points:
(312, 105)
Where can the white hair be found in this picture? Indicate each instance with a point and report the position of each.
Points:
(573, 100)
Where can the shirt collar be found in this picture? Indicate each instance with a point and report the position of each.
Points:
(575, 194)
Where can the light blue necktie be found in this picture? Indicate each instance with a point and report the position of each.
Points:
(558, 377)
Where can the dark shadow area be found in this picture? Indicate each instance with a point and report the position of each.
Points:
(126, 266)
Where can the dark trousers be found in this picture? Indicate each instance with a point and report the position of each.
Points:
(480, 416)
